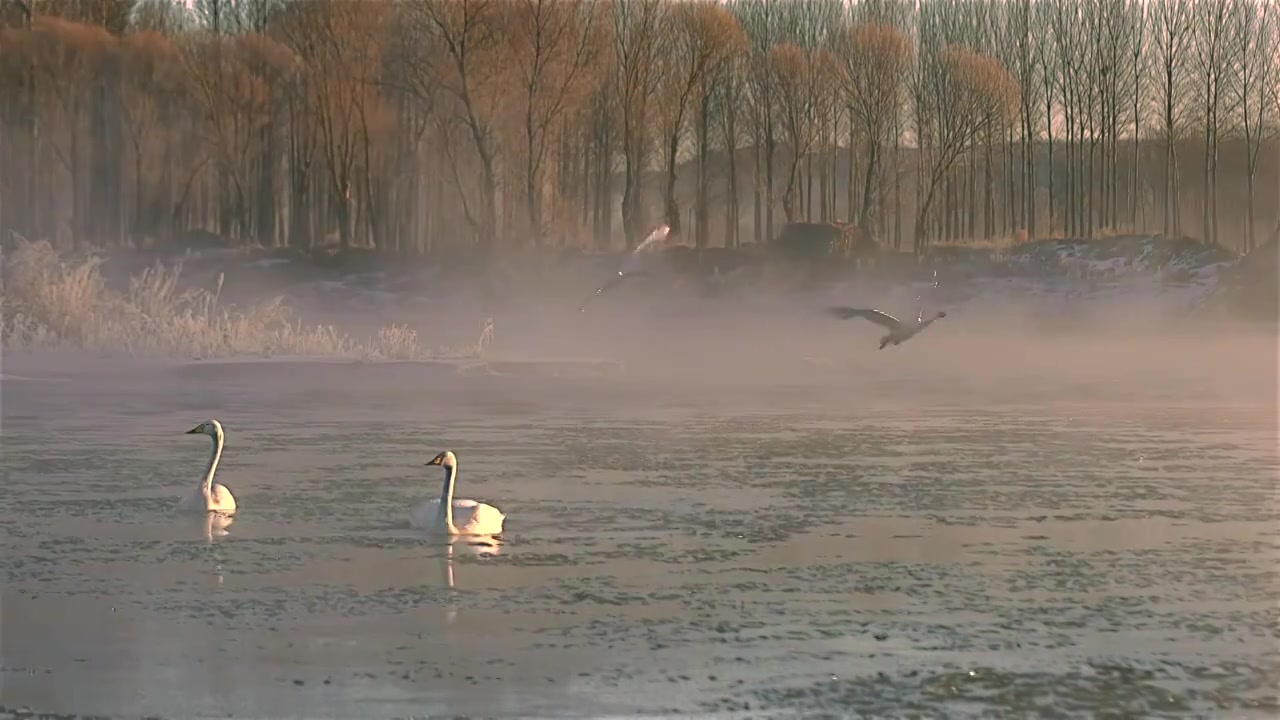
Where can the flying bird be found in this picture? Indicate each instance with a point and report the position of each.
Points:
(899, 331)
(636, 263)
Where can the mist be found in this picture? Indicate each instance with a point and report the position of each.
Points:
(591, 250)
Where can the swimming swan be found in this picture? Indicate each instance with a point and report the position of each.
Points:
(209, 496)
(455, 517)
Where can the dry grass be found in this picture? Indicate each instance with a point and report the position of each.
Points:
(48, 302)
(1009, 242)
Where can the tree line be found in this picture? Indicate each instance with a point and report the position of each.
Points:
(414, 125)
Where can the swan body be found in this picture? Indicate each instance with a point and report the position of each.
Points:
(209, 496)
(448, 516)
(899, 331)
(635, 263)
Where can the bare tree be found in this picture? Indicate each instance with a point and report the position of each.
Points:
(1212, 56)
(469, 34)
(1110, 44)
(340, 42)
(396, 122)
(18, 72)
(151, 79)
(555, 44)
(1254, 86)
(414, 62)
(873, 62)
(66, 57)
(1139, 64)
(1049, 73)
(1020, 41)
(638, 75)
(1171, 37)
(965, 95)
(763, 22)
(601, 117)
(1072, 38)
(728, 95)
(794, 73)
(160, 16)
(701, 37)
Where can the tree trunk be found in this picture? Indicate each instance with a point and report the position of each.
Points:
(789, 194)
(769, 147)
(852, 183)
(731, 153)
(1029, 174)
(605, 233)
(1068, 203)
(1206, 187)
(897, 190)
(631, 190)
(343, 213)
(868, 187)
(757, 204)
(672, 209)
(1137, 164)
(1049, 137)
(701, 231)
(1248, 213)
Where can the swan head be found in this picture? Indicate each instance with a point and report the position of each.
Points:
(212, 428)
(446, 459)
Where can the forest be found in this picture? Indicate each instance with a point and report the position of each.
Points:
(410, 126)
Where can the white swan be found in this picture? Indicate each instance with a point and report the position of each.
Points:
(455, 517)
(899, 332)
(209, 496)
(635, 263)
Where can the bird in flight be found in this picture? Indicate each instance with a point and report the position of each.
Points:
(899, 331)
(636, 263)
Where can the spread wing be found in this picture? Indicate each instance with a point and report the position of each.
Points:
(883, 319)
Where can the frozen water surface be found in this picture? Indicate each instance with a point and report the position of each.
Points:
(948, 533)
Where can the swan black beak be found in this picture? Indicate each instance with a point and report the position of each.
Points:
(193, 431)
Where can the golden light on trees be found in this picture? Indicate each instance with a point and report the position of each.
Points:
(699, 39)
(872, 62)
(411, 125)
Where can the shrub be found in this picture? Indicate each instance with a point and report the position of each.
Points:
(46, 301)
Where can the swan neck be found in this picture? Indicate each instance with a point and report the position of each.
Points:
(446, 495)
(215, 454)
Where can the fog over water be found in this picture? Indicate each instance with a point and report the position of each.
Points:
(713, 507)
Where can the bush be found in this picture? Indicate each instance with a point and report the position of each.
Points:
(46, 302)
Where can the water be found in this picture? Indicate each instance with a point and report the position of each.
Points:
(900, 542)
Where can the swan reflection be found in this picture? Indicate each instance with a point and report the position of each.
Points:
(207, 526)
(215, 526)
(211, 528)
(475, 546)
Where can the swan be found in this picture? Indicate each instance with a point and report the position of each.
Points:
(455, 517)
(635, 263)
(209, 496)
(899, 331)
